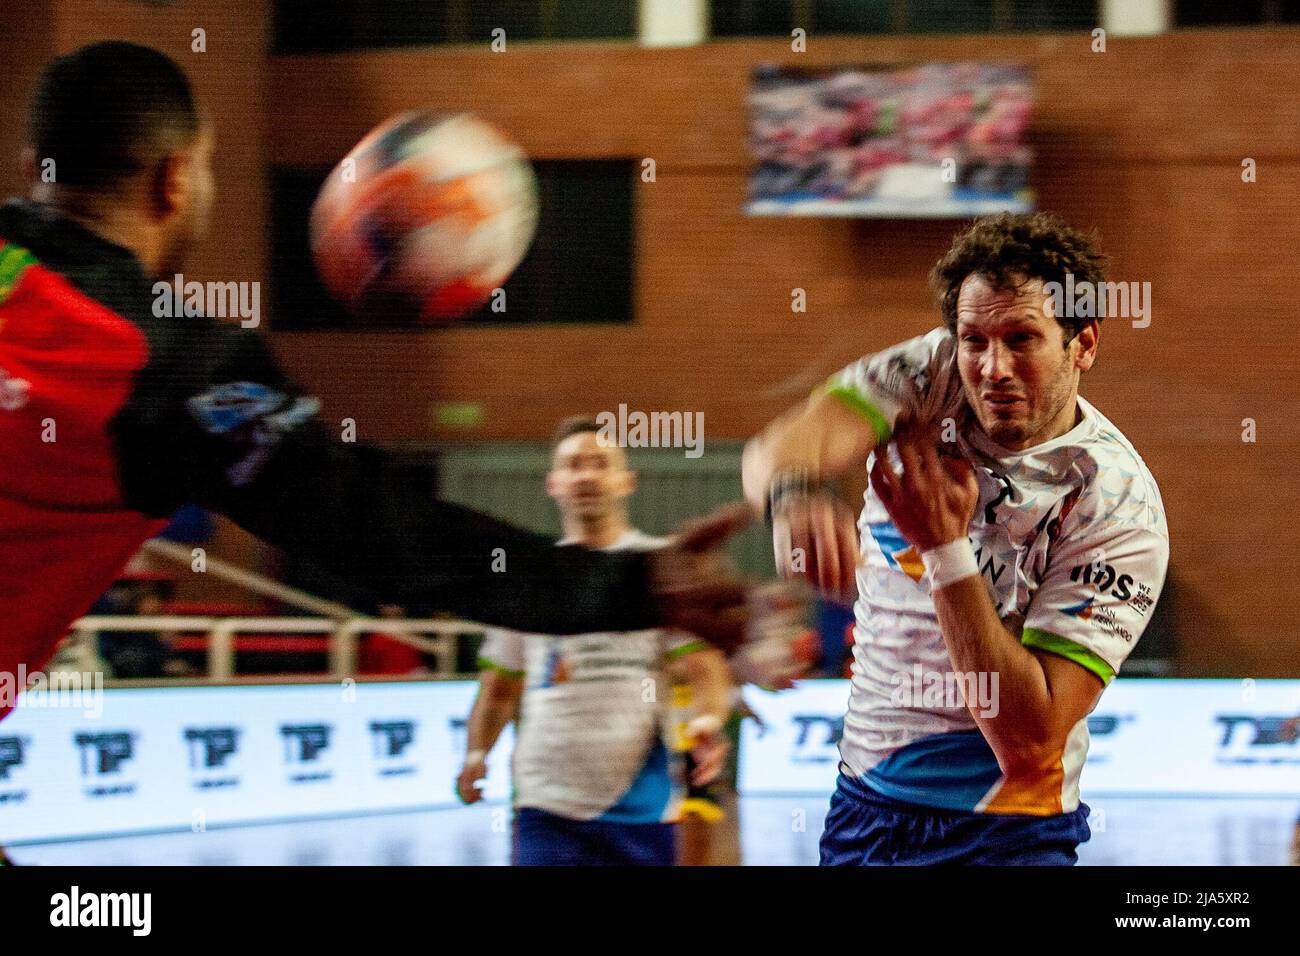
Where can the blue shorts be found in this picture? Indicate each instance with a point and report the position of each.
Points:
(864, 828)
(544, 839)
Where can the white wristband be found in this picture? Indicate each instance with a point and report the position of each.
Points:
(705, 724)
(950, 562)
(475, 756)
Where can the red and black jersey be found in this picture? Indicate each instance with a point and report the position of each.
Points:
(112, 417)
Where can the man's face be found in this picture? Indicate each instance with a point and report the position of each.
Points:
(589, 479)
(1019, 379)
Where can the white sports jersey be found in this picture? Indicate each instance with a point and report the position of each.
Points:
(1071, 541)
(593, 739)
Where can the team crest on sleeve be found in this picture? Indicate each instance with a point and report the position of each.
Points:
(252, 414)
(229, 407)
(904, 368)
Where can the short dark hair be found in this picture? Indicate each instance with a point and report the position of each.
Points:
(574, 425)
(1011, 248)
(107, 111)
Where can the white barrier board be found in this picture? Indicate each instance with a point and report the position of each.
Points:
(1155, 737)
(196, 757)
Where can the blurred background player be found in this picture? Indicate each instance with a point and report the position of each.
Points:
(594, 779)
(709, 828)
(781, 650)
(1019, 550)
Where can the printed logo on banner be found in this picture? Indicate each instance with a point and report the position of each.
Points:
(1256, 739)
(816, 738)
(103, 754)
(303, 746)
(12, 755)
(210, 750)
(459, 733)
(391, 739)
(1104, 725)
(1104, 729)
(165, 743)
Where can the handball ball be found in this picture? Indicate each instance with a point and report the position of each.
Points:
(424, 219)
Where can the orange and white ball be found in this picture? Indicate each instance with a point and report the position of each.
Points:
(424, 219)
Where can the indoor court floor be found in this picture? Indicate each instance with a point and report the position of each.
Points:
(775, 831)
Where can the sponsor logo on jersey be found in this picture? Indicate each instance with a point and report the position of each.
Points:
(1142, 601)
(1083, 610)
(555, 669)
(897, 551)
(989, 567)
(1105, 579)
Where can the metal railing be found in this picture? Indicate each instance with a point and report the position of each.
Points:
(438, 637)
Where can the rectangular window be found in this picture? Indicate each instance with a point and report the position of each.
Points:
(737, 18)
(325, 26)
(1216, 13)
(578, 269)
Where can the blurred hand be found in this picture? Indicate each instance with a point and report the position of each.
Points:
(932, 501)
(475, 769)
(775, 653)
(709, 752)
(696, 586)
(815, 537)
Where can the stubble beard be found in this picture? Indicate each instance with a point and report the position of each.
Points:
(1029, 431)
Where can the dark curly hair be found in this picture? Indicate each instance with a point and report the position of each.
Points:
(1011, 248)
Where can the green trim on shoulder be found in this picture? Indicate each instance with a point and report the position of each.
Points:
(853, 398)
(487, 664)
(14, 261)
(1055, 644)
(690, 648)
